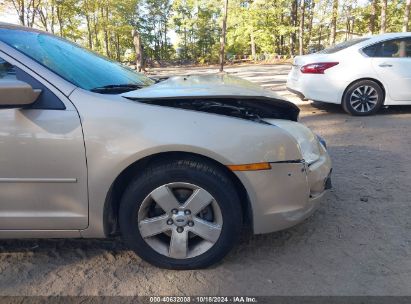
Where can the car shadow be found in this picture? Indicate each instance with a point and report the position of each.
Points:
(336, 108)
(45, 245)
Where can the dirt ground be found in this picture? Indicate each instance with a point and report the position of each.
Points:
(357, 243)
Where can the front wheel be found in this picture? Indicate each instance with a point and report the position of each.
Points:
(363, 98)
(182, 214)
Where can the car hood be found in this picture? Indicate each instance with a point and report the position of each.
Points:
(201, 85)
(189, 91)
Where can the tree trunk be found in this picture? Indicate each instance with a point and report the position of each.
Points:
(20, 9)
(90, 38)
(383, 16)
(253, 50)
(105, 18)
(96, 30)
(185, 44)
(223, 36)
(34, 9)
(301, 31)
(294, 7)
(281, 36)
(52, 22)
(352, 28)
(310, 22)
(43, 19)
(334, 22)
(117, 44)
(371, 25)
(60, 20)
(282, 46)
(319, 36)
(406, 16)
(106, 43)
(348, 24)
(165, 40)
(139, 51)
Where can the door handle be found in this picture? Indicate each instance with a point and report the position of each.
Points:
(385, 65)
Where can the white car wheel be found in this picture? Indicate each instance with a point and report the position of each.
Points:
(363, 98)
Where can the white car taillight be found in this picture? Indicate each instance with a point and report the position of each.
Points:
(317, 68)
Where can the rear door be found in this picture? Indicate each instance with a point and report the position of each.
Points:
(43, 173)
(391, 61)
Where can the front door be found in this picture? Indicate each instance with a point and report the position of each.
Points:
(392, 63)
(43, 173)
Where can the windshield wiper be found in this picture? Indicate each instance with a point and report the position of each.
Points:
(159, 79)
(117, 88)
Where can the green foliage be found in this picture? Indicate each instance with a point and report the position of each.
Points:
(154, 26)
(255, 27)
(197, 25)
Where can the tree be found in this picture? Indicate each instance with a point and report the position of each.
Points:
(406, 16)
(294, 13)
(153, 26)
(46, 14)
(371, 24)
(87, 9)
(139, 51)
(26, 11)
(223, 36)
(253, 28)
(383, 16)
(310, 21)
(301, 30)
(334, 22)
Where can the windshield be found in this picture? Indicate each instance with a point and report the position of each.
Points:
(75, 64)
(341, 46)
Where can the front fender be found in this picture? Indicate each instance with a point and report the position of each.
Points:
(119, 132)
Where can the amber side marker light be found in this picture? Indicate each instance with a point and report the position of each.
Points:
(250, 167)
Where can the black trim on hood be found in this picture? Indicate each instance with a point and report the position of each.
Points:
(254, 108)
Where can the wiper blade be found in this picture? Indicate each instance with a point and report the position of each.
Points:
(159, 79)
(117, 88)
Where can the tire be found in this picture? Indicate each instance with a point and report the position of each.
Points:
(210, 233)
(362, 98)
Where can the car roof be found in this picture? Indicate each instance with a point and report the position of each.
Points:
(373, 39)
(10, 26)
(389, 36)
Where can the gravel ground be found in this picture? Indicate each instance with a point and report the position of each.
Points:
(357, 243)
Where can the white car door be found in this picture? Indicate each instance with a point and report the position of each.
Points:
(43, 175)
(392, 63)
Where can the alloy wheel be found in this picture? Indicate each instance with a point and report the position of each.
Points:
(364, 99)
(180, 220)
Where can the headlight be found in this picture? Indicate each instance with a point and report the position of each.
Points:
(308, 142)
(310, 147)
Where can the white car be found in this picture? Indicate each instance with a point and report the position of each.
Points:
(360, 74)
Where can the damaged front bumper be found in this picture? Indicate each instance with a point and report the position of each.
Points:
(287, 194)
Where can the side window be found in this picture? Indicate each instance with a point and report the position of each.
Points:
(47, 99)
(371, 50)
(397, 48)
(407, 47)
(7, 71)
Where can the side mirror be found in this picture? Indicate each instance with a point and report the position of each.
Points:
(16, 94)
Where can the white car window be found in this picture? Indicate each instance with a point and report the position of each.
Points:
(341, 46)
(396, 48)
